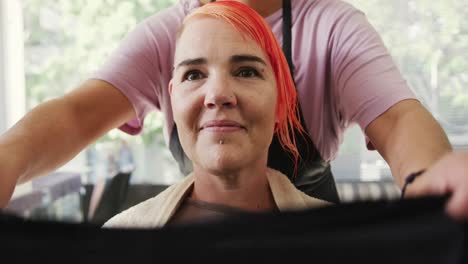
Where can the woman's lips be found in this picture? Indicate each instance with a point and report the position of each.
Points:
(222, 126)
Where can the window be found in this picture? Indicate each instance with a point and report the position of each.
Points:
(12, 97)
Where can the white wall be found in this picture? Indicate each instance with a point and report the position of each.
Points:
(12, 78)
(2, 77)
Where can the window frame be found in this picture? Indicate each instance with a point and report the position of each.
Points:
(12, 78)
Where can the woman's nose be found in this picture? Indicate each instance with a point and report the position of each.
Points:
(219, 94)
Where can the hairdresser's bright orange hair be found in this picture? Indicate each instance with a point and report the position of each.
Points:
(249, 23)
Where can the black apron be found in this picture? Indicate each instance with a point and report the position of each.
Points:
(314, 176)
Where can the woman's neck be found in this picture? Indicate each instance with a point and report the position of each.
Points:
(263, 7)
(248, 190)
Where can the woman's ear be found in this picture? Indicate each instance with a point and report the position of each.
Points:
(169, 88)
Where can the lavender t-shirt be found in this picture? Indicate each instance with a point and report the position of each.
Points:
(343, 72)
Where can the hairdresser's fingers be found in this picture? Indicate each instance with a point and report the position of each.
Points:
(457, 206)
(447, 176)
(428, 183)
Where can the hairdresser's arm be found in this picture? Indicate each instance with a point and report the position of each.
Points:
(56, 131)
(410, 139)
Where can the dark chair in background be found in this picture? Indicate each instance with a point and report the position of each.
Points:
(105, 199)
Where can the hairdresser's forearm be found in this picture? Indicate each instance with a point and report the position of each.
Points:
(42, 141)
(56, 131)
(409, 139)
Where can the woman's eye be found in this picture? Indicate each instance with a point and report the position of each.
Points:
(193, 76)
(248, 73)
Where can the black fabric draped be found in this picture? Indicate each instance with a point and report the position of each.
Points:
(411, 231)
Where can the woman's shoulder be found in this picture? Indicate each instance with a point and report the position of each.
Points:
(138, 215)
(312, 202)
(153, 212)
(287, 196)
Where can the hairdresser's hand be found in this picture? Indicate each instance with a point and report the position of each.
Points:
(447, 176)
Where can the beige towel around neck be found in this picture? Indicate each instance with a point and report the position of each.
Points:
(157, 211)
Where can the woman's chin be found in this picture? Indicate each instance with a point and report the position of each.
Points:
(224, 166)
(225, 158)
(223, 163)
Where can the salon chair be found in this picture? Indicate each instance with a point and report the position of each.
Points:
(105, 199)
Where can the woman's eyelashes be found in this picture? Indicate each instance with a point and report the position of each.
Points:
(247, 72)
(193, 75)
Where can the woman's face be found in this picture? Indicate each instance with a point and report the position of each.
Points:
(223, 95)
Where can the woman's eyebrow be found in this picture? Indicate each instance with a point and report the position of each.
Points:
(243, 58)
(190, 62)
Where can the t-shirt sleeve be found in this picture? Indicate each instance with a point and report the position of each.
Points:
(134, 69)
(366, 80)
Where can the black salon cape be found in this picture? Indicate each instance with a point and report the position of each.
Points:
(411, 231)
